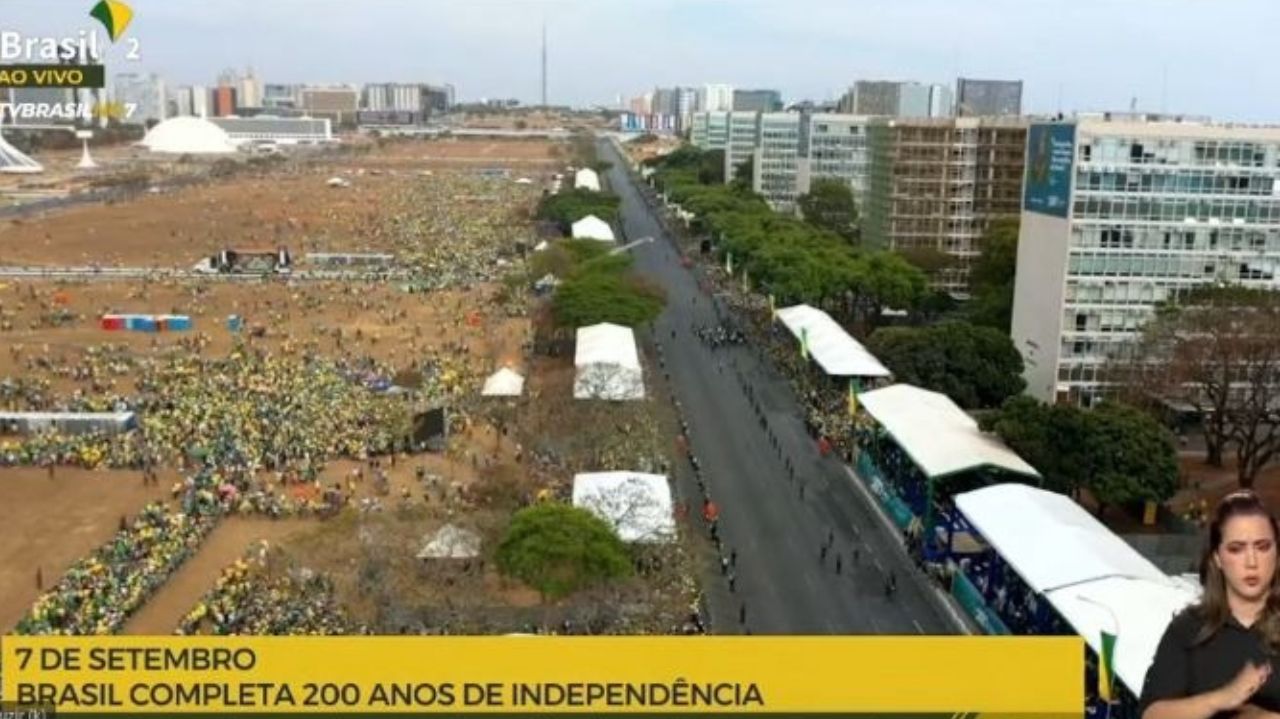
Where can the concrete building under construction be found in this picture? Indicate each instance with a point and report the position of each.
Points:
(939, 183)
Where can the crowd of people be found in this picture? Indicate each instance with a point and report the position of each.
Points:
(98, 593)
(249, 600)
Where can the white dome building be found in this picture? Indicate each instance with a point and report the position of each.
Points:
(189, 136)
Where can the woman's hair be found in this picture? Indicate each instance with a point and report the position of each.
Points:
(1213, 610)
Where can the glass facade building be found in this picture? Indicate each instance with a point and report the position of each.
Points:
(1152, 210)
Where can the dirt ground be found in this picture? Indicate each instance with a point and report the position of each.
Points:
(49, 524)
(290, 206)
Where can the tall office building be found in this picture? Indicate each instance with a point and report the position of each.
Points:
(740, 140)
(277, 98)
(896, 99)
(776, 158)
(338, 103)
(709, 130)
(757, 101)
(200, 98)
(939, 183)
(225, 102)
(664, 101)
(146, 93)
(180, 103)
(834, 146)
(942, 101)
(1120, 215)
(715, 98)
(988, 97)
(249, 88)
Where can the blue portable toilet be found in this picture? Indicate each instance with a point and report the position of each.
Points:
(234, 323)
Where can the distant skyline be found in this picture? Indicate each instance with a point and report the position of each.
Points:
(1181, 56)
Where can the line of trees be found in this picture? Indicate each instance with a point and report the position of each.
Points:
(1215, 354)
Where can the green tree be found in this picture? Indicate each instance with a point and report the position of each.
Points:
(711, 169)
(566, 208)
(884, 280)
(1131, 457)
(1049, 437)
(589, 298)
(977, 367)
(559, 549)
(1121, 455)
(829, 205)
(992, 276)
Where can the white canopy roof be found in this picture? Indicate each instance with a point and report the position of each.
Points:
(1136, 611)
(506, 382)
(592, 228)
(451, 542)
(189, 136)
(938, 436)
(637, 505)
(839, 354)
(524, 181)
(586, 179)
(1071, 545)
(608, 365)
(1092, 577)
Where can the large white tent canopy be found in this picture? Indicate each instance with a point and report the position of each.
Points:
(838, 353)
(1094, 579)
(608, 365)
(637, 505)
(938, 436)
(506, 382)
(586, 179)
(592, 228)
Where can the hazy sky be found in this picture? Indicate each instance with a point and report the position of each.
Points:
(1209, 57)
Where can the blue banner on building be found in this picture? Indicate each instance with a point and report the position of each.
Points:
(1050, 151)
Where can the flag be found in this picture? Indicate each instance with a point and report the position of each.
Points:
(728, 263)
(804, 343)
(1106, 670)
(853, 397)
(773, 307)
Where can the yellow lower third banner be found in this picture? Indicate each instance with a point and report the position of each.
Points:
(526, 676)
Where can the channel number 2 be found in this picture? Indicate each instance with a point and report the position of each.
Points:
(134, 46)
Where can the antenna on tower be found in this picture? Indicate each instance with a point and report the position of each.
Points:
(544, 63)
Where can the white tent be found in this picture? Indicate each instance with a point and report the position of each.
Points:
(839, 354)
(608, 366)
(1094, 579)
(592, 228)
(12, 160)
(637, 505)
(451, 542)
(189, 136)
(524, 181)
(506, 382)
(586, 179)
(938, 436)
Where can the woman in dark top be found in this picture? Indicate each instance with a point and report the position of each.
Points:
(1215, 659)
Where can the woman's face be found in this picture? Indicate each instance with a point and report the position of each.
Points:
(1247, 556)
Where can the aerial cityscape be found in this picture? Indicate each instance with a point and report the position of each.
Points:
(514, 345)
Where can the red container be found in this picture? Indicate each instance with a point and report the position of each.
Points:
(112, 322)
